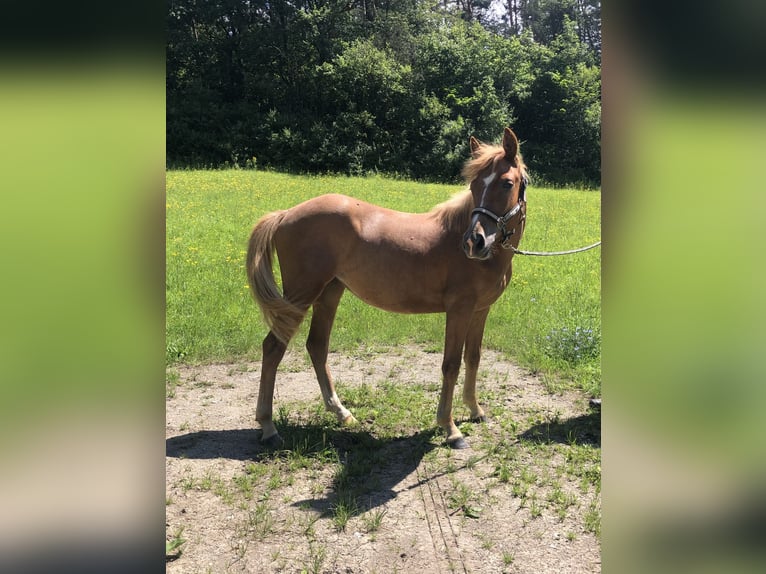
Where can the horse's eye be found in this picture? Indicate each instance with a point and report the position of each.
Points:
(507, 184)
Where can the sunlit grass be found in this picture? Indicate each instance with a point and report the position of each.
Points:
(211, 315)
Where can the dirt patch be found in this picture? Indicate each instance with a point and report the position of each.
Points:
(516, 501)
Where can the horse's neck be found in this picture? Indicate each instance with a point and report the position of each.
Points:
(502, 262)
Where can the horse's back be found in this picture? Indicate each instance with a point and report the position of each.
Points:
(333, 205)
(369, 249)
(326, 203)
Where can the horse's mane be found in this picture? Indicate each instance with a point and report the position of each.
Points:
(455, 213)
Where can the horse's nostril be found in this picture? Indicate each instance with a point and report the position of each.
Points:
(478, 241)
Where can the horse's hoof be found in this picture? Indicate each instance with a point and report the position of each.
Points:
(273, 442)
(349, 421)
(481, 419)
(458, 444)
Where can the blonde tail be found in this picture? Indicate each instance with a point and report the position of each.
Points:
(282, 317)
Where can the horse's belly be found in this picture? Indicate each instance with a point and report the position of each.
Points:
(398, 306)
(395, 293)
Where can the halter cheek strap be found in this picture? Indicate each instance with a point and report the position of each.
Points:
(523, 188)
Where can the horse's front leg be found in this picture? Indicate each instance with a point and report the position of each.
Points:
(472, 356)
(457, 327)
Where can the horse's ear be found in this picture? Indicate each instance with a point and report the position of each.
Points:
(510, 144)
(474, 143)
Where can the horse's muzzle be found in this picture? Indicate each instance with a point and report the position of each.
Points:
(476, 245)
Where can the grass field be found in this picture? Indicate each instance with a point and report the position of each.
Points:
(549, 319)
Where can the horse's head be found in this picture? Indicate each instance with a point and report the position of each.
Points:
(498, 182)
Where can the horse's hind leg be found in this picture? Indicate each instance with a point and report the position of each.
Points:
(273, 351)
(318, 344)
(471, 357)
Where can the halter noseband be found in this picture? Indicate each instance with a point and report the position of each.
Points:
(503, 221)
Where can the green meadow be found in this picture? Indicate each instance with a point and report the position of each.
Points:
(548, 320)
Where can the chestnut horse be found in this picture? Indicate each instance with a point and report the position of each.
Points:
(455, 259)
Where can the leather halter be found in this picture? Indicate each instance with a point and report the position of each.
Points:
(502, 221)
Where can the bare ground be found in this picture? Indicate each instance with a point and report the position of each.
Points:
(412, 517)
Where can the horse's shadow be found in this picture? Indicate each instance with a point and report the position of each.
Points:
(234, 444)
(370, 469)
(584, 429)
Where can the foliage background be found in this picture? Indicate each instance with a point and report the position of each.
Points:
(383, 86)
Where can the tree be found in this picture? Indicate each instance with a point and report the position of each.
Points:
(396, 86)
(561, 117)
(368, 102)
(589, 25)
